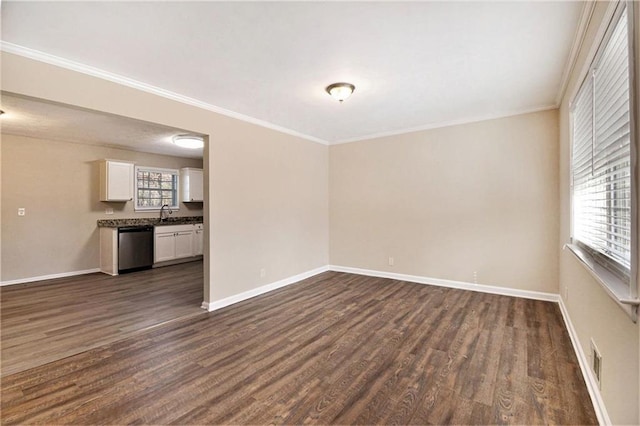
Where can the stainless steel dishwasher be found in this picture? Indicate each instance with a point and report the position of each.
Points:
(135, 248)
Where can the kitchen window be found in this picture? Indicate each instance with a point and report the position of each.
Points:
(604, 229)
(156, 187)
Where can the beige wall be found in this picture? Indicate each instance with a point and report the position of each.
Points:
(592, 312)
(448, 202)
(58, 185)
(266, 192)
(478, 197)
(275, 193)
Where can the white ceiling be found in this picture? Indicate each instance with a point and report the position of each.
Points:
(38, 119)
(414, 64)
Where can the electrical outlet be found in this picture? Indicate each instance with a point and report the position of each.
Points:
(391, 261)
(475, 277)
(263, 273)
(566, 294)
(22, 211)
(108, 211)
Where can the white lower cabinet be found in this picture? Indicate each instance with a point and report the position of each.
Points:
(165, 246)
(109, 251)
(184, 244)
(198, 239)
(176, 242)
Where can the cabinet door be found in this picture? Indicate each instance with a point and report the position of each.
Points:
(198, 242)
(119, 181)
(184, 244)
(165, 247)
(196, 185)
(191, 185)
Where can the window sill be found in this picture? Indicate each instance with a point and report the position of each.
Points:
(151, 209)
(615, 287)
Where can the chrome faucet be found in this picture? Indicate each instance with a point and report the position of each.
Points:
(164, 216)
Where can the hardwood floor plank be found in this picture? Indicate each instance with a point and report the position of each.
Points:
(417, 328)
(481, 375)
(50, 320)
(511, 388)
(544, 402)
(334, 349)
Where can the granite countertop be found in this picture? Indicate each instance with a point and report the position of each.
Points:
(117, 223)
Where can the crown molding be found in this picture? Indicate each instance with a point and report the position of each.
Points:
(125, 81)
(467, 120)
(576, 47)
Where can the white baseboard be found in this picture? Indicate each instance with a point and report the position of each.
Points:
(592, 385)
(589, 378)
(219, 304)
(49, 277)
(505, 291)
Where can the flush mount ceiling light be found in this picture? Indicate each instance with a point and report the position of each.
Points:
(340, 91)
(188, 141)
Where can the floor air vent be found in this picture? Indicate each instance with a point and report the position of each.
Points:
(596, 363)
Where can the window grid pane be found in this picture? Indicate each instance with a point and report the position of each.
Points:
(157, 188)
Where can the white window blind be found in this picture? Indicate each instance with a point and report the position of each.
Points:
(601, 157)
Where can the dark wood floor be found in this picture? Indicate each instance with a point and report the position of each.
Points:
(334, 349)
(49, 320)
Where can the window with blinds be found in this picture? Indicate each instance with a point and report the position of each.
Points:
(601, 155)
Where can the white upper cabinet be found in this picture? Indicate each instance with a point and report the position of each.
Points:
(116, 180)
(191, 185)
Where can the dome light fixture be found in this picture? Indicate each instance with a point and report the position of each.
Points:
(340, 91)
(188, 141)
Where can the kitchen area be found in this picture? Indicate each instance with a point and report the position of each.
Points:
(102, 229)
(70, 174)
(133, 244)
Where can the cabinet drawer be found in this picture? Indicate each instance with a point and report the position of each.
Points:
(166, 229)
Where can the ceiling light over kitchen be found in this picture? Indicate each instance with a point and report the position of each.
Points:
(340, 91)
(188, 141)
